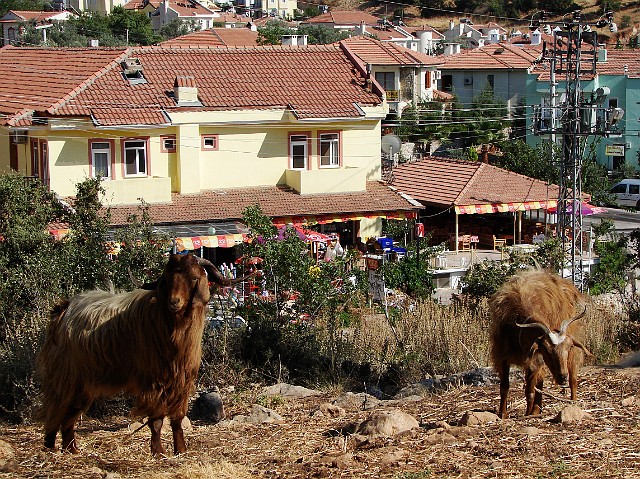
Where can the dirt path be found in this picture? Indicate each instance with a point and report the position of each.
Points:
(604, 445)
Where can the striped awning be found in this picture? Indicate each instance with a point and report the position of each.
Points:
(337, 218)
(505, 207)
(216, 241)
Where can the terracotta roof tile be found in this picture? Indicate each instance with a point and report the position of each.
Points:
(492, 57)
(369, 50)
(89, 82)
(317, 81)
(345, 17)
(228, 204)
(618, 62)
(216, 37)
(34, 16)
(443, 182)
(37, 78)
(189, 8)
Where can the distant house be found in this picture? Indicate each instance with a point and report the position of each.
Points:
(420, 39)
(343, 19)
(501, 66)
(405, 75)
(615, 87)
(275, 8)
(217, 37)
(102, 6)
(169, 10)
(470, 35)
(13, 18)
(201, 133)
(144, 6)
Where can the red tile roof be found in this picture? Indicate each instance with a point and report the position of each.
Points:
(316, 81)
(140, 4)
(619, 62)
(443, 182)
(37, 78)
(228, 204)
(492, 57)
(216, 37)
(34, 16)
(345, 17)
(369, 50)
(189, 8)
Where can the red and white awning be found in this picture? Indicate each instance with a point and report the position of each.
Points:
(215, 241)
(337, 218)
(504, 207)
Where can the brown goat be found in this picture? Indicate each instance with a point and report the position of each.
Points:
(534, 323)
(147, 343)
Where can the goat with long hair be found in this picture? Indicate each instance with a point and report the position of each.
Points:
(147, 343)
(535, 323)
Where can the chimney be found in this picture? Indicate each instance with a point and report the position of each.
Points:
(361, 29)
(185, 91)
(602, 54)
(536, 37)
(452, 24)
(451, 49)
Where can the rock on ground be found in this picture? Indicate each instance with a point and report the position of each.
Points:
(288, 390)
(387, 423)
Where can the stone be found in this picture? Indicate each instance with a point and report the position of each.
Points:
(259, 414)
(476, 418)
(208, 407)
(329, 410)
(439, 437)
(629, 401)
(342, 460)
(569, 414)
(394, 457)
(387, 423)
(356, 401)
(288, 390)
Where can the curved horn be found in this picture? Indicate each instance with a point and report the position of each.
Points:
(216, 276)
(534, 325)
(213, 273)
(565, 324)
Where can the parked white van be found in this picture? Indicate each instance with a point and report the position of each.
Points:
(627, 192)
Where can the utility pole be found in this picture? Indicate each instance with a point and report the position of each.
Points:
(573, 56)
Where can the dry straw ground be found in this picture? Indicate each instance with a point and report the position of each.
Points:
(603, 445)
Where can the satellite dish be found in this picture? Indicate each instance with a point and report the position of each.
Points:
(391, 144)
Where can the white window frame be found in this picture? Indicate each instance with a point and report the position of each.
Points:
(95, 151)
(140, 160)
(330, 158)
(296, 141)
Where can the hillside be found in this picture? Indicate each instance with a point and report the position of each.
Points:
(306, 443)
(412, 17)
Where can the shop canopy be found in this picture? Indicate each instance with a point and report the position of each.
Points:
(472, 187)
(504, 207)
(337, 218)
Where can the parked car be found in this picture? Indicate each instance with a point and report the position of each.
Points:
(627, 193)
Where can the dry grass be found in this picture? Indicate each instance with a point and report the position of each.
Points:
(604, 445)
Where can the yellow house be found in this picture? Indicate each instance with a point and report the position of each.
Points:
(201, 133)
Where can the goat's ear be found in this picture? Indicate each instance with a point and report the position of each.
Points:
(579, 345)
(533, 350)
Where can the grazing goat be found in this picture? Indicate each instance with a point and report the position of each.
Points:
(147, 343)
(535, 323)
